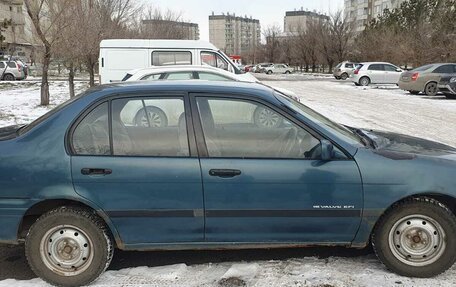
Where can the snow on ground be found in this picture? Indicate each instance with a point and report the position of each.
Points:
(20, 101)
(382, 107)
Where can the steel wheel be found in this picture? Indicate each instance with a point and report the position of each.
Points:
(267, 118)
(365, 81)
(417, 240)
(431, 89)
(66, 250)
(344, 76)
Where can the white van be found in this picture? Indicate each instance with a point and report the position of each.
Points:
(118, 56)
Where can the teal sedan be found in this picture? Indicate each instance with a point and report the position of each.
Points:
(173, 165)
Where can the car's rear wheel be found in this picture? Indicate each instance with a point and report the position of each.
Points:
(344, 76)
(151, 117)
(9, 77)
(416, 238)
(414, 92)
(269, 72)
(364, 81)
(431, 89)
(450, 96)
(69, 246)
(287, 72)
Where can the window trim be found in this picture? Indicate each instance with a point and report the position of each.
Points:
(171, 51)
(193, 151)
(283, 111)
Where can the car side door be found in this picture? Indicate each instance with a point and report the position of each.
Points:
(263, 179)
(392, 74)
(134, 157)
(376, 73)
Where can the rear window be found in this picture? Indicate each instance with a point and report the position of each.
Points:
(423, 68)
(349, 65)
(2, 65)
(169, 58)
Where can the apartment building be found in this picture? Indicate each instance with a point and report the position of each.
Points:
(299, 20)
(181, 30)
(361, 12)
(16, 36)
(233, 34)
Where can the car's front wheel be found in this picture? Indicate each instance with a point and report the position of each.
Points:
(69, 246)
(450, 96)
(344, 76)
(416, 238)
(269, 72)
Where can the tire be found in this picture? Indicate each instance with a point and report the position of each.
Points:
(266, 118)
(431, 89)
(364, 81)
(356, 84)
(269, 72)
(337, 78)
(71, 228)
(287, 72)
(9, 77)
(416, 238)
(450, 96)
(344, 76)
(156, 116)
(414, 92)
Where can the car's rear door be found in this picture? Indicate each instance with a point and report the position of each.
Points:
(261, 182)
(135, 158)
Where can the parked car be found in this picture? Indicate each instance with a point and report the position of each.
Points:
(248, 68)
(376, 73)
(447, 86)
(425, 78)
(278, 69)
(82, 180)
(11, 71)
(344, 70)
(186, 73)
(118, 56)
(261, 68)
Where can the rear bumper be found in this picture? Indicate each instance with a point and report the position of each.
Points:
(410, 86)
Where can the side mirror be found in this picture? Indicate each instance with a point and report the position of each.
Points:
(327, 150)
(398, 70)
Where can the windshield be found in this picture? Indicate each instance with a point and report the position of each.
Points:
(235, 68)
(315, 117)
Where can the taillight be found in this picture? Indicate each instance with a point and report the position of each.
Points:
(415, 76)
(356, 72)
(19, 68)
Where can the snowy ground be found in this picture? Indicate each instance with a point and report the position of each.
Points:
(383, 107)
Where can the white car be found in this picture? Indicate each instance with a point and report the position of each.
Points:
(376, 73)
(154, 113)
(278, 69)
(187, 73)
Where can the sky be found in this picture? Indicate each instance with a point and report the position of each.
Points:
(269, 12)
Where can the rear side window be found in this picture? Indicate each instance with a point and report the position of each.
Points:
(11, 64)
(169, 58)
(375, 67)
(151, 77)
(91, 136)
(179, 76)
(2, 65)
(349, 65)
(212, 77)
(445, 69)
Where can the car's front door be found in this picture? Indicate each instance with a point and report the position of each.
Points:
(132, 158)
(376, 73)
(263, 180)
(392, 74)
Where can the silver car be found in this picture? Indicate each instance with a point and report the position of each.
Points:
(11, 71)
(344, 70)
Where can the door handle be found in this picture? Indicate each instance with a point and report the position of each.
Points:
(225, 173)
(96, 171)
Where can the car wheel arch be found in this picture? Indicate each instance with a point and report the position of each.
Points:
(46, 205)
(446, 200)
(367, 77)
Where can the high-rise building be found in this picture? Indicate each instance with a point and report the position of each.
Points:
(233, 34)
(299, 20)
(361, 12)
(173, 29)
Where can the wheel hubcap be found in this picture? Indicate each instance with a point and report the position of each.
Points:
(66, 250)
(268, 118)
(417, 240)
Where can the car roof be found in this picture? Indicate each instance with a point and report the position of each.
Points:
(176, 68)
(156, 44)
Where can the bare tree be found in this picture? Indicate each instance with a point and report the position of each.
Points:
(342, 32)
(48, 21)
(272, 35)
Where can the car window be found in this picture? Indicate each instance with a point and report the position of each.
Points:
(179, 76)
(212, 77)
(214, 60)
(167, 58)
(338, 65)
(149, 127)
(91, 136)
(423, 68)
(349, 65)
(246, 129)
(2, 65)
(126, 77)
(11, 64)
(151, 77)
(390, 68)
(375, 67)
(445, 69)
